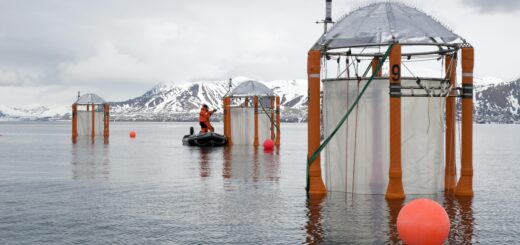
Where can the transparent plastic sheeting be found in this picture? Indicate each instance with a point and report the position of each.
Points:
(85, 123)
(251, 88)
(357, 157)
(243, 126)
(380, 23)
(88, 99)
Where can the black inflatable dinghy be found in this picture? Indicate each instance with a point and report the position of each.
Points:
(207, 139)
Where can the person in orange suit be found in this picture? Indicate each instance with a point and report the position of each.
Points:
(204, 116)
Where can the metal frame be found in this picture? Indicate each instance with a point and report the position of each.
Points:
(450, 48)
(453, 92)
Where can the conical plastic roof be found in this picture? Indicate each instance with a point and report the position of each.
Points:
(382, 23)
(90, 99)
(251, 88)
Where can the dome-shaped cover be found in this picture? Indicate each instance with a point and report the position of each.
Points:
(382, 23)
(251, 88)
(88, 99)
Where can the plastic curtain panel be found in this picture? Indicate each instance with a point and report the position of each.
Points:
(357, 158)
(264, 125)
(243, 125)
(85, 123)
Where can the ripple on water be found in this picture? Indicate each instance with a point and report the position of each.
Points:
(153, 190)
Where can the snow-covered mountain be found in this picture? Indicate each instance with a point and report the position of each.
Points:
(169, 101)
(496, 102)
(8, 113)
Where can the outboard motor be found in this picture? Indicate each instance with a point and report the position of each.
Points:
(192, 131)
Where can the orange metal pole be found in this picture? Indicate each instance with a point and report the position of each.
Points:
(255, 102)
(75, 120)
(224, 116)
(93, 122)
(395, 183)
(375, 63)
(450, 175)
(106, 121)
(316, 185)
(465, 184)
(277, 143)
(272, 118)
(227, 119)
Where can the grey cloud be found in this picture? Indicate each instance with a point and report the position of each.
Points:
(120, 48)
(494, 6)
(149, 42)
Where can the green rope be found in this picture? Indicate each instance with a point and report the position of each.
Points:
(269, 116)
(316, 153)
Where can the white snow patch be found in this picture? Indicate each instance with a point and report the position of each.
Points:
(514, 104)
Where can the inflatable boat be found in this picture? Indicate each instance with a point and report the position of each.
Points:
(206, 139)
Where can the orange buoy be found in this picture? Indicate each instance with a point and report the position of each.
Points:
(268, 145)
(132, 134)
(423, 221)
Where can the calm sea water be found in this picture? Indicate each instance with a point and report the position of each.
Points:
(151, 189)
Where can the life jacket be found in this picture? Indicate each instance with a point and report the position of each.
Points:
(204, 115)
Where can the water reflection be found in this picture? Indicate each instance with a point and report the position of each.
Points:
(314, 226)
(394, 206)
(249, 163)
(255, 173)
(90, 160)
(226, 165)
(92, 139)
(460, 211)
(205, 168)
(272, 165)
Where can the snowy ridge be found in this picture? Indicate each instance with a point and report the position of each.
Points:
(496, 101)
(172, 102)
(8, 113)
(484, 82)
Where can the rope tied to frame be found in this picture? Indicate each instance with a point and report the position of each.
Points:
(269, 116)
(316, 153)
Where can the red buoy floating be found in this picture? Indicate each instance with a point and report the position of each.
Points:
(423, 221)
(132, 134)
(268, 145)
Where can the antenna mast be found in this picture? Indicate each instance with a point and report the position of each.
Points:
(328, 15)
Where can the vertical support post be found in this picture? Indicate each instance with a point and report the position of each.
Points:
(316, 185)
(374, 63)
(227, 119)
(272, 117)
(106, 121)
(255, 103)
(93, 122)
(450, 175)
(465, 184)
(224, 116)
(277, 142)
(74, 120)
(395, 184)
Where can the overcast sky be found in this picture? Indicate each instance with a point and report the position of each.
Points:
(49, 49)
